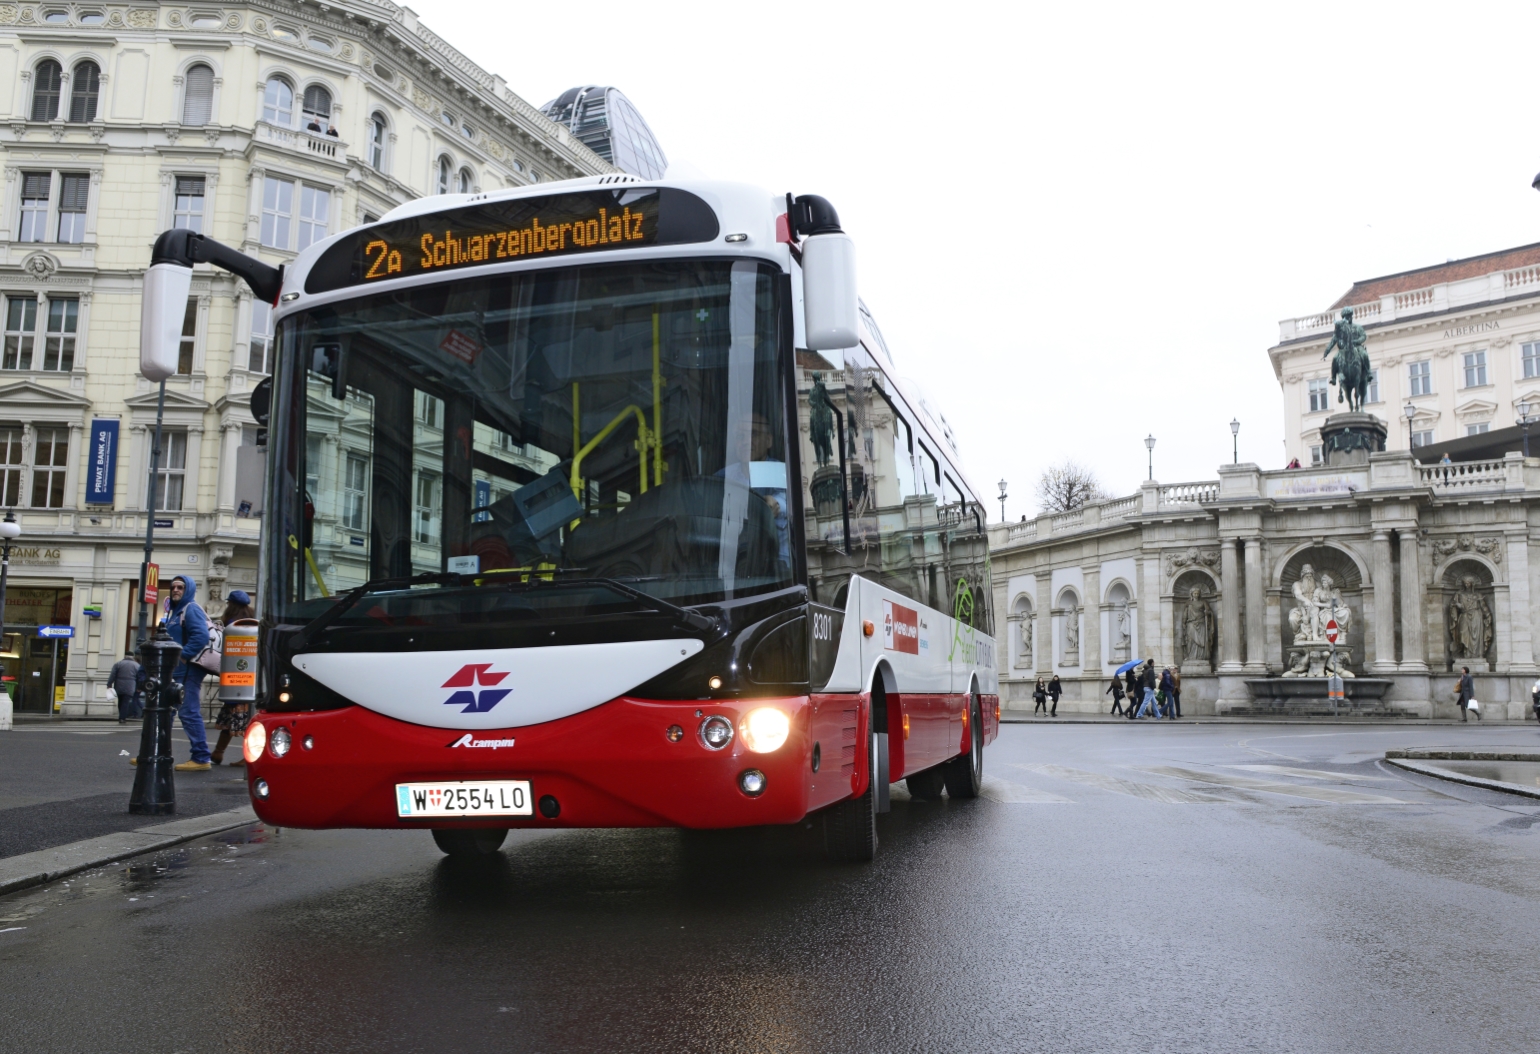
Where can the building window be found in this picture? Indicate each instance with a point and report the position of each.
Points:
(278, 102)
(10, 467)
(49, 461)
(314, 211)
(355, 489)
(20, 332)
(426, 509)
(316, 109)
(74, 192)
(34, 206)
(1419, 377)
(464, 181)
(85, 89)
(172, 474)
(198, 101)
(187, 208)
(277, 212)
(1424, 438)
(261, 336)
(1316, 456)
(1373, 395)
(189, 341)
(429, 409)
(1320, 395)
(59, 342)
(444, 175)
(1531, 359)
(46, 83)
(1475, 369)
(312, 466)
(1476, 430)
(377, 133)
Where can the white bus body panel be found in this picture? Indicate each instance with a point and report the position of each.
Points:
(511, 687)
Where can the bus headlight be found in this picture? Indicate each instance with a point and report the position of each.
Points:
(255, 742)
(279, 744)
(764, 729)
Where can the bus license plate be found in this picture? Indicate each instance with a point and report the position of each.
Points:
(470, 798)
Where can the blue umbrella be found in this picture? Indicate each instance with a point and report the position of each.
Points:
(1129, 665)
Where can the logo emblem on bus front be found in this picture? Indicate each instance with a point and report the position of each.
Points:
(476, 702)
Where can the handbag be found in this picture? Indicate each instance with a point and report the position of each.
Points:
(1473, 705)
(211, 658)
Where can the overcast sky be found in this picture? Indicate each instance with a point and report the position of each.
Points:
(1078, 225)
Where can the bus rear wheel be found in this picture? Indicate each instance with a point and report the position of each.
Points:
(469, 843)
(927, 785)
(965, 773)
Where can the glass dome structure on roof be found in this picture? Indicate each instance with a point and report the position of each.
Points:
(607, 123)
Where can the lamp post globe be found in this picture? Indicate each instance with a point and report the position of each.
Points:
(1235, 441)
(1002, 501)
(1410, 411)
(1149, 444)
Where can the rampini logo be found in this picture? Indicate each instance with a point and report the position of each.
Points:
(488, 744)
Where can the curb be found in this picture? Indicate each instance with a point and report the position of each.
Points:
(1105, 719)
(1462, 755)
(45, 865)
(1459, 777)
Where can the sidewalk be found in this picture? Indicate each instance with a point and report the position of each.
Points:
(66, 783)
(1018, 717)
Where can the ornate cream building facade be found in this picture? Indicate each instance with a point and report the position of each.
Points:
(1459, 342)
(266, 125)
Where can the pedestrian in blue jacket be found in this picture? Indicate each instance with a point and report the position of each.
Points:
(187, 624)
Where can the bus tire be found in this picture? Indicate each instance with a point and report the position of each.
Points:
(926, 785)
(965, 773)
(469, 843)
(850, 827)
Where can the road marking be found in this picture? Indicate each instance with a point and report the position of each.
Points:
(1311, 774)
(1008, 793)
(1327, 794)
(1147, 791)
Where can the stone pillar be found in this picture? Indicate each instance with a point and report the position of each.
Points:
(1413, 617)
(1042, 651)
(1229, 608)
(1256, 608)
(230, 442)
(1384, 636)
(1519, 600)
(1091, 629)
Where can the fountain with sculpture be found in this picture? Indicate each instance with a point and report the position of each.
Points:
(1318, 602)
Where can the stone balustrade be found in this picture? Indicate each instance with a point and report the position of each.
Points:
(1441, 297)
(327, 146)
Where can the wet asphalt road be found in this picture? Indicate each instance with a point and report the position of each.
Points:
(1176, 888)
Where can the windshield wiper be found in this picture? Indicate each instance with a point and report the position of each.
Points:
(347, 600)
(688, 616)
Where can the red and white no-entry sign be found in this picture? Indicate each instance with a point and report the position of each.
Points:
(1331, 631)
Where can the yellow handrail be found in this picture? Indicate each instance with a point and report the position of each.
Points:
(314, 570)
(577, 459)
(657, 412)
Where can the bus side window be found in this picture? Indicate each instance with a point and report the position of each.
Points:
(903, 458)
(930, 481)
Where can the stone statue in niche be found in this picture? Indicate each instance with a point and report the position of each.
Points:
(1028, 626)
(1302, 619)
(1122, 632)
(1071, 635)
(1197, 628)
(1469, 622)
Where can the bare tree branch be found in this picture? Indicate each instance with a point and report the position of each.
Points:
(1067, 486)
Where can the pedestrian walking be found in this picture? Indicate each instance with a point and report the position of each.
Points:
(1464, 692)
(1534, 699)
(1115, 689)
(1147, 690)
(1176, 689)
(1131, 687)
(1168, 691)
(1055, 689)
(124, 679)
(232, 717)
(1040, 696)
(188, 625)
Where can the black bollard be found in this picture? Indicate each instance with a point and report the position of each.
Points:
(154, 791)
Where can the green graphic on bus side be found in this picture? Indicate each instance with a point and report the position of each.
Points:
(962, 619)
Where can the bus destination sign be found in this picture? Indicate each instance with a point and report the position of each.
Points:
(506, 231)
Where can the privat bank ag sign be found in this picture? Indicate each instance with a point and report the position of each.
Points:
(900, 628)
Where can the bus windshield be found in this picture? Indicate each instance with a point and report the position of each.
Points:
(620, 423)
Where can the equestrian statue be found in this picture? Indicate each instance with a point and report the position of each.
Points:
(1350, 369)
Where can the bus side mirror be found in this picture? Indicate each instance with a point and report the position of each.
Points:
(829, 291)
(166, 288)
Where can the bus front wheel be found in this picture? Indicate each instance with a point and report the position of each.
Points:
(850, 827)
(469, 843)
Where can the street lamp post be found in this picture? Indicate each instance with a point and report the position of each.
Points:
(1411, 412)
(1235, 441)
(10, 530)
(1002, 501)
(1524, 422)
(1149, 444)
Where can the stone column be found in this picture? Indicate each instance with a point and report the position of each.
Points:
(230, 442)
(1091, 629)
(1413, 617)
(1042, 651)
(1229, 608)
(1256, 608)
(1519, 599)
(1384, 636)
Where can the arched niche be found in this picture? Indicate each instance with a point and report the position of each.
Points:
(1467, 607)
(1023, 644)
(1192, 650)
(1119, 635)
(1068, 614)
(1346, 577)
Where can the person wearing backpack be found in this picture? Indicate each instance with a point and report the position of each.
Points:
(187, 624)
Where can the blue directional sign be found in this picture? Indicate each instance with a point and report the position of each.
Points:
(56, 631)
(103, 468)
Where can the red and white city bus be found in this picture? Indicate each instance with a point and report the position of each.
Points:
(599, 504)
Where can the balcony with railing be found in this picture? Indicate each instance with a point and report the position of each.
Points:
(312, 144)
(1498, 285)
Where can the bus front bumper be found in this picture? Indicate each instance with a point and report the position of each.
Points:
(626, 763)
